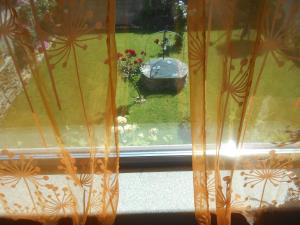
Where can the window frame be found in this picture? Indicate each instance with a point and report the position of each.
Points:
(152, 158)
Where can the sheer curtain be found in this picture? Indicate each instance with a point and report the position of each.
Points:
(64, 89)
(244, 110)
(44, 174)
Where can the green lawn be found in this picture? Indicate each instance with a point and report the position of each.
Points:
(172, 108)
(278, 91)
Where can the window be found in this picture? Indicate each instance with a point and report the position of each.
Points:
(170, 82)
(153, 96)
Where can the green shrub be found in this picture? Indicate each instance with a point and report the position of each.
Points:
(156, 15)
(130, 65)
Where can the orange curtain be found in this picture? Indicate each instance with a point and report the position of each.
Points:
(243, 59)
(45, 175)
(59, 109)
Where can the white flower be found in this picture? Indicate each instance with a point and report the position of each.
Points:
(121, 120)
(167, 138)
(141, 135)
(128, 127)
(153, 138)
(153, 131)
(134, 126)
(120, 130)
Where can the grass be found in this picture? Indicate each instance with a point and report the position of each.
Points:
(93, 73)
(273, 110)
(172, 108)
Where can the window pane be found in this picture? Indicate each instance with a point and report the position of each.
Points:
(63, 93)
(153, 94)
(153, 90)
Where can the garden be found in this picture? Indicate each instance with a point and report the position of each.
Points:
(155, 114)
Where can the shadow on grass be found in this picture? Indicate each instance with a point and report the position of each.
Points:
(294, 55)
(243, 48)
(236, 48)
(160, 91)
(123, 110)
(135, 30)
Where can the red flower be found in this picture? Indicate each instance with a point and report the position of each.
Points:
(130, 52)
(119, 55)
(139, 60)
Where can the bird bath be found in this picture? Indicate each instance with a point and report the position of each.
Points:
(164, 74)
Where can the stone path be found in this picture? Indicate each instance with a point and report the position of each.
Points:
(10, 85)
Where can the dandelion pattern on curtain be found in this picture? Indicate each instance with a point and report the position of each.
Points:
(59, 154)
(252, 39)
(43, 47)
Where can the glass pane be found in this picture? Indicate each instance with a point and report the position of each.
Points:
(53, 81)
(153, 88)
(153, 80)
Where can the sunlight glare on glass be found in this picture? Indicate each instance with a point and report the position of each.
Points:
(230, 149)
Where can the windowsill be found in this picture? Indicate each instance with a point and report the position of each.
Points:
(157, 179)
(158, 157)
(156, 192)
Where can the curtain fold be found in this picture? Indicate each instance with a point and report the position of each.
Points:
(73, 89)
(224, 104)
(60, 146)
(197, 73)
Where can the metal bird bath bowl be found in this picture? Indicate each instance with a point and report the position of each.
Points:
(164, 74)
